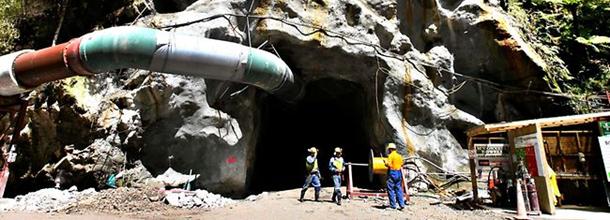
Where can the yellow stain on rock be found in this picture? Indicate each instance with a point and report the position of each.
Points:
(315, 17)
(318, 13)
(263, 8)
(405, 113)
(77, 87)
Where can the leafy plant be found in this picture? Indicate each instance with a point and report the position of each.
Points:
(577, 32)
(9, 12)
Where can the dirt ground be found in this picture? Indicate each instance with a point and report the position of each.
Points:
(276, 205)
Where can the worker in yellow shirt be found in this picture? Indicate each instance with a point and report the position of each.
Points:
(336, 165)
(313, 174)
(394, 179)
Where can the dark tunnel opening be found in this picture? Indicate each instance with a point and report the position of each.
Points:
(331, 114)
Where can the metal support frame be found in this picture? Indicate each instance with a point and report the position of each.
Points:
(17, 116)
(351, 192)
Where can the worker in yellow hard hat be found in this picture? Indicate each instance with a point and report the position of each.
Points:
(336, 165)
(313, 174)
(394, 180)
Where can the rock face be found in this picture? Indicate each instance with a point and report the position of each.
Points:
(485, 43)
(399, 53)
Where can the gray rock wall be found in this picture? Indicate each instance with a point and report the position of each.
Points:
(401, 53)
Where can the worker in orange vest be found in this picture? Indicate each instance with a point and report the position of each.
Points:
(394, 180)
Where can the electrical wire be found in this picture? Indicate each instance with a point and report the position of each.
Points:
(382, 52)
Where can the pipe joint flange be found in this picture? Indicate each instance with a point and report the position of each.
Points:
(72, 58)
(8, 82)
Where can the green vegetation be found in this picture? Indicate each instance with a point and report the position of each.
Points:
(570, 34)
(9, 12)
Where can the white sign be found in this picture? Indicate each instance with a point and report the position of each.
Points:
(491, 150)
(527, 148)
(604, 145)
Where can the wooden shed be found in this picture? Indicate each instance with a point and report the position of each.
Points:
(568, 146)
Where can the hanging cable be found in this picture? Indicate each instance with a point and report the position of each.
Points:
(379, 51)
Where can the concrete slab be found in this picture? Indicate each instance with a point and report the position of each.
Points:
(566, 213)
(578, 212)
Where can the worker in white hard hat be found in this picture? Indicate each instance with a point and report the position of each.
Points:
(336, 165)
(394, 180)
(313, 174)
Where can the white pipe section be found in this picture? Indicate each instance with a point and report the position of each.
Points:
(8, 83)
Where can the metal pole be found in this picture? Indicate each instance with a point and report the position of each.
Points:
(404, 184)
(350, 184)
(12, 154)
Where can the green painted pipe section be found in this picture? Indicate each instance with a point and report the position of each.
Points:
(160, 51)
(119, 48)
(263, 69)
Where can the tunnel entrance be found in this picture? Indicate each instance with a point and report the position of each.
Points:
(331, 114)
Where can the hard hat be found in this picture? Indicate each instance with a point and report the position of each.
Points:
(391, 146)
(338, 150)
(312, 150)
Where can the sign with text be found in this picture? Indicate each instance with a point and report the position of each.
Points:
(527, 150)
(491, 150)
(489, 156)
(604, 145)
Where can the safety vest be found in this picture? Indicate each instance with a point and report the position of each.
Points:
(312, 167)
(337, 163)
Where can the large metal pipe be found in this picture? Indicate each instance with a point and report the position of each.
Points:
(150, 49)
(8, 83)
(38, 67)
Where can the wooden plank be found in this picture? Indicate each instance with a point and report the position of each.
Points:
(473, 173)
(575, 177)
(545, 192)
(560, 150)
(488, 138)
(544, 123)
(567, 132)
(578, 145)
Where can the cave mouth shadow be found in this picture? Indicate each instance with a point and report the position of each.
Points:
(332, 114)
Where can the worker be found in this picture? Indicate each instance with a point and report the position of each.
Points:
(394, 179)
(313, 174)
(336, 165)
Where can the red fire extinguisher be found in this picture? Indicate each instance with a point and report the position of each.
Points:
(533, 196)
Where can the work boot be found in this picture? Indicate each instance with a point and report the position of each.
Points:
(317, 196)
(302, 195)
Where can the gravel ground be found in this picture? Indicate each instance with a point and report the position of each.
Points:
(130, 203)
(119, 201)
(284, 205)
